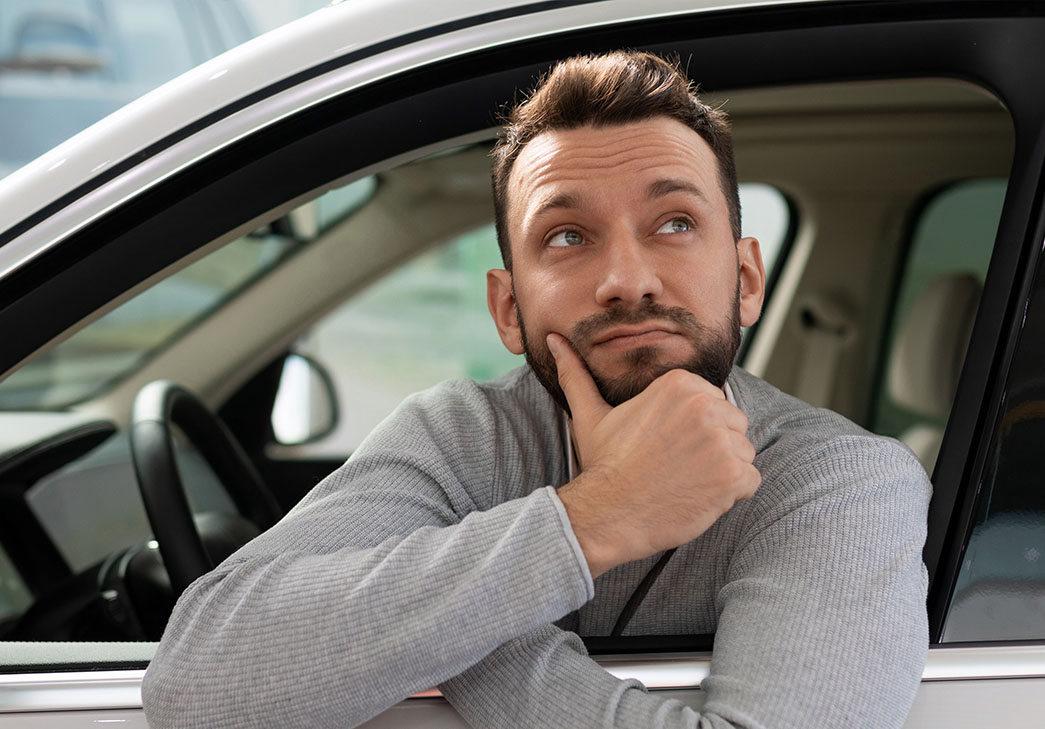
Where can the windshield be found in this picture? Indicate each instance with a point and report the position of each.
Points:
(118, 343)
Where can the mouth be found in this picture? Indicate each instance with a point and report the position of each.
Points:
(638, 335)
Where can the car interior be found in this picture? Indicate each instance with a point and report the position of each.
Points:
(890, 193)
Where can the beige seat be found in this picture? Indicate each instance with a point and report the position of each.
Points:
(927, 356)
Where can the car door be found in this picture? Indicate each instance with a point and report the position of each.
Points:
(219, 176)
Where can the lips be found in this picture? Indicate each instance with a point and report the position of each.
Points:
(648, 332)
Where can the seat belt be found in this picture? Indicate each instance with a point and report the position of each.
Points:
(827, 329)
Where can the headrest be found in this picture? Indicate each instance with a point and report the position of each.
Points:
(927, 357)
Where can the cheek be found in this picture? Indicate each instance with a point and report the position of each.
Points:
(548, 302)
(704, 285)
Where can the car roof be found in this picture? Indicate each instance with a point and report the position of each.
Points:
(393, 34)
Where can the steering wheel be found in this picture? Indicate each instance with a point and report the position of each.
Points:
(157, 407)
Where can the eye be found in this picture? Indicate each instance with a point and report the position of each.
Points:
(676, 225)
(565, 239)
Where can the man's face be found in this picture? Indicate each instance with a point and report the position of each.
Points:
(621, 243)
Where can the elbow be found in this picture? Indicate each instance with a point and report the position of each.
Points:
(178, 689)
(159, 699)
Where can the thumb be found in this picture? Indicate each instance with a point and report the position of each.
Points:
(586, 404)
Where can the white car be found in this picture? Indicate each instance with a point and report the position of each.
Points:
(296, 231)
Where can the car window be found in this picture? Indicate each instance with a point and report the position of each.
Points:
(14, 595)
(999, 594)
(429, 290)
(91, 508)
(939, 291)
(428, 321)
(115, 345)
(768, 217)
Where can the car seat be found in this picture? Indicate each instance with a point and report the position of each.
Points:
(927, 356)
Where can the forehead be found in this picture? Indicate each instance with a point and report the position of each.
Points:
(631, 155)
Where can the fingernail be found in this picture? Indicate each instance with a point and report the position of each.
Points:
(553, 345)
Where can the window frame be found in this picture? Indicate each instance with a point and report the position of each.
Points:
(313, 147)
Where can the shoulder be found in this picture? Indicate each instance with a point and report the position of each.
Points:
(464, 411)
(805, 452)
(498, 437)
(516, 394)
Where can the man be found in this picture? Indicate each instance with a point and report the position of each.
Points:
(480, 528)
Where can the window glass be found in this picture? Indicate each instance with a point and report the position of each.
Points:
(425, 322)
(765, 215)
(14, 595)
(935, 308)
(119, 342)
(428, 321)
(92, 507)
(1000, 591)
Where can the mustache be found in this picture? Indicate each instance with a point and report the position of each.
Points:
(585, 331)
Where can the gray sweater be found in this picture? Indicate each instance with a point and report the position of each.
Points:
(439, 554)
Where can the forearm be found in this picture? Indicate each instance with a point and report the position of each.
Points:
(773, 668)
(287, 639)
(820, 624)
(545, 679)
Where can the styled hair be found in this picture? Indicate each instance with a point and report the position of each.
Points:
(604, 90)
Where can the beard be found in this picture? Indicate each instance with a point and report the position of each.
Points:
(712, 358)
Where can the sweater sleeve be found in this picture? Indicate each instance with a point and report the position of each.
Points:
(822, 620)
(388, 579)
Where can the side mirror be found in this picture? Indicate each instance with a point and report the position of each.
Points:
(305, 408)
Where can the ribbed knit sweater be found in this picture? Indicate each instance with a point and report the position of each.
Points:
(440, 555)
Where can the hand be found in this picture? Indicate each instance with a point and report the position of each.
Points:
(659, 469)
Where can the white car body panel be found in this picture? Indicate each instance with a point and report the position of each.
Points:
(1013, 697)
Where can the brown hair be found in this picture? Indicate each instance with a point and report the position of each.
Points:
(615, 88)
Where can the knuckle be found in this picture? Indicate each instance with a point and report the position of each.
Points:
(733, 472)
(748, 450)
(676, 378)
(752, 480)
(700, 407)
(718, 440)
(725, 474)
(742, 420)
(680, 383)
(704, 400)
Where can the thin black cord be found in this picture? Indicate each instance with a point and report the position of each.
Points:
(632, 606)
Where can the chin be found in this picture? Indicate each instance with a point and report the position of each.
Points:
(641, 366)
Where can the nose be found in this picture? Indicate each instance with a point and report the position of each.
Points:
(628, 272)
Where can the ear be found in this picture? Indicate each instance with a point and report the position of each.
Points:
(752, 280)
(501, 300)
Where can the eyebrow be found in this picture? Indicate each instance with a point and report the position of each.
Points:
(561, 200)
(660, 188)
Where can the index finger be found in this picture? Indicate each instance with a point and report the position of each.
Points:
(586, 403)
